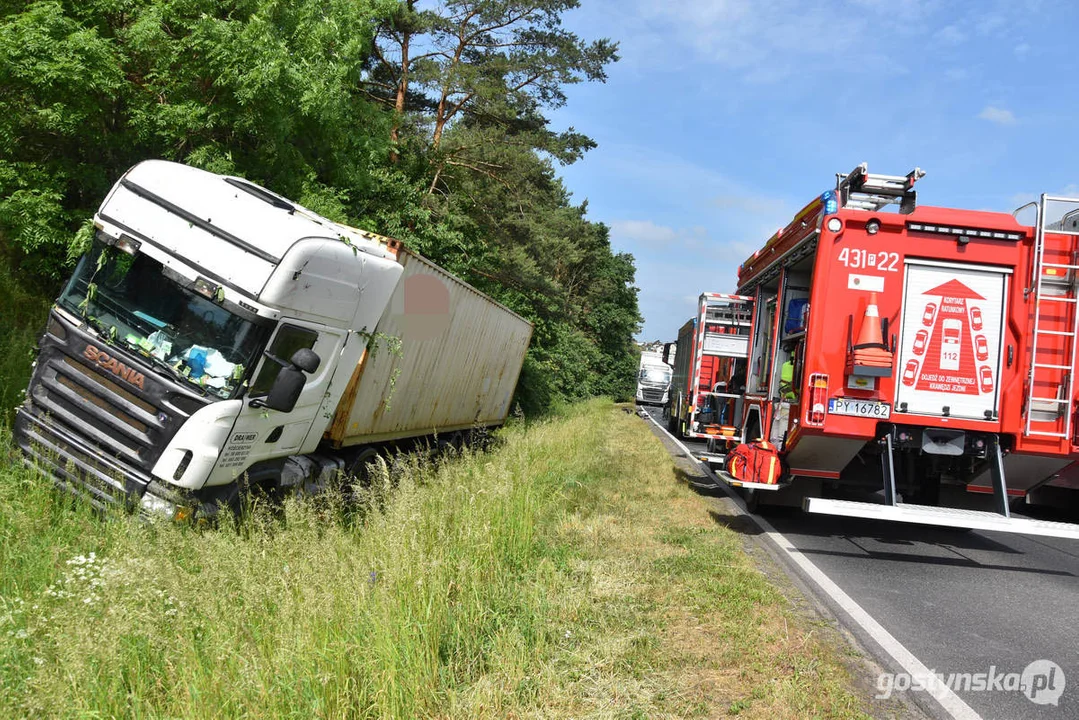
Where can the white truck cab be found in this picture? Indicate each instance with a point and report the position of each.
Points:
(653, 380)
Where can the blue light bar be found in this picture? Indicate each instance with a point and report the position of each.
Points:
(831, 203)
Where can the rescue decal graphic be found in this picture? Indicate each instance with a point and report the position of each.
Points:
(949, 357)
(952, 324)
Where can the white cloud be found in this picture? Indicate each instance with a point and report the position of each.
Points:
(643, 231)
(951, 35)
(990, 22)
(1022, 50)
(765, 42)
(997, 115)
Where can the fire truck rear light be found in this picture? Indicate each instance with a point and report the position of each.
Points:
(818, 400)
(872, 227)
(835, 225)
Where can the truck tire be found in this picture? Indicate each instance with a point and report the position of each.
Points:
(753, 500)
(759, 502)
(360, 466)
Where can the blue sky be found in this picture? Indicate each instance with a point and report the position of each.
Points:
(725, 117)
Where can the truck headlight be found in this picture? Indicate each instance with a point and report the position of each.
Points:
(155, 505)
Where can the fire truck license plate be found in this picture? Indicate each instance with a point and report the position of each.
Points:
(859, 408)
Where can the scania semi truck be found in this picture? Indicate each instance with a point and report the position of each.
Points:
(217, 336)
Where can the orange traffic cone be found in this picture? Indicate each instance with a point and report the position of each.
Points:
(869, 335)
(871, 355)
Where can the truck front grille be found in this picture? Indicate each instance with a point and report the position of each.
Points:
(105, 414)
(84, 425)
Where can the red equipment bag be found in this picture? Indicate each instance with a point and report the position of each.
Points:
(756, 462)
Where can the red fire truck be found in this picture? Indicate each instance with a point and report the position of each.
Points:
(926, 355)
(709, 370)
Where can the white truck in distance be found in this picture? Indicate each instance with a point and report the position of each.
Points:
(216, 331)
(653, 380)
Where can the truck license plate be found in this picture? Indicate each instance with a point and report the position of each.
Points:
(859, 408)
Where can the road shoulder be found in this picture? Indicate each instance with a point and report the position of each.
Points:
(812, 612)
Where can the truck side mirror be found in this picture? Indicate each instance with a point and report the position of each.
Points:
(306, 359)
(289, 382)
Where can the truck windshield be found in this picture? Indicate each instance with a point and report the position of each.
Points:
(655, 375)
(133, 303)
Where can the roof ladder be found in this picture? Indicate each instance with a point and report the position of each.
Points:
(1054, 286)
(861, 190)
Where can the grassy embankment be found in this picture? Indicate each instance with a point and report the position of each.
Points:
(565, 574)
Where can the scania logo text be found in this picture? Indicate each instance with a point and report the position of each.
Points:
(106, 361)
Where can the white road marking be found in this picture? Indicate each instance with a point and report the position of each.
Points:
(948, 700)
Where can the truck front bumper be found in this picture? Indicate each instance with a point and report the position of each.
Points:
(101, 481)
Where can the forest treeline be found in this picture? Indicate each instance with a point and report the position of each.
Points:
(425, 121)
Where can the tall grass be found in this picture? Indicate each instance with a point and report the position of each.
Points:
(309, 616)
(543, 579)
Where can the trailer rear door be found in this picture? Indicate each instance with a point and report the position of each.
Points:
(950, 339)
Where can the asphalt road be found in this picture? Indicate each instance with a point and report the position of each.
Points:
(961, 602)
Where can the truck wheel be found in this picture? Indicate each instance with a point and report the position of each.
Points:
(447, 448)
(753, 500)
(360, 467)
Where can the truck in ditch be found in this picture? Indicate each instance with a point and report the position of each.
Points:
(217, 336)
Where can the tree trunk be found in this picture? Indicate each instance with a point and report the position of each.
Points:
(399, 101)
